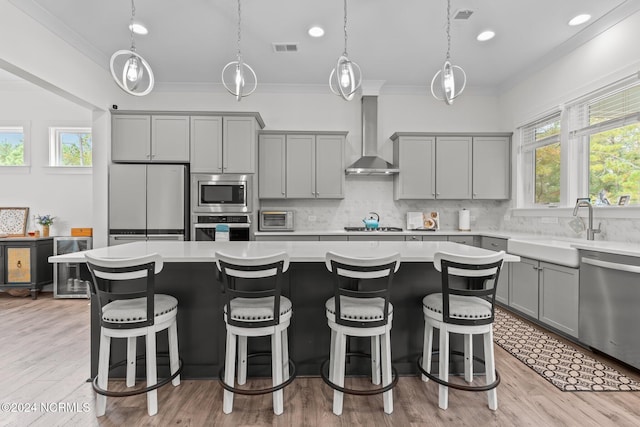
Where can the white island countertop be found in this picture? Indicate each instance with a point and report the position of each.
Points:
(298, 251)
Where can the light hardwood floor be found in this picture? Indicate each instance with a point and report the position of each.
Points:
(44, 361)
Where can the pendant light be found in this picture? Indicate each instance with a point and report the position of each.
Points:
(238, 67)
(135, 69)
(346, 77)
(448, 79)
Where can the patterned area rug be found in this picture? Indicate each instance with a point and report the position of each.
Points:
(562, 365)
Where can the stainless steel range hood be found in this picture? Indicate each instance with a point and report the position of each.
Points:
(370, 163)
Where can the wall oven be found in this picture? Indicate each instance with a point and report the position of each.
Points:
(220, 193)
(204, 227)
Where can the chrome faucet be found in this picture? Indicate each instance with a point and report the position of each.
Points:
(586, 203)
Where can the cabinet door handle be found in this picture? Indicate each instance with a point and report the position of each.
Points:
(19, 264)
(495, 245)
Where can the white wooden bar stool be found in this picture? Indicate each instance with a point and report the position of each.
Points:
(360, 307)
(463, 307)
(130, 308)
(254, 307)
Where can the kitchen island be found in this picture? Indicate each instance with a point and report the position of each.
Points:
(189, 274)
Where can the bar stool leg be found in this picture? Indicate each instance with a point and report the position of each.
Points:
(427, 349)
(375, 360)
(103, 373)
(332, 358)
(285, 355)
(468, 357)
(174, 358)
(131, 361)
(229, 371)
(276, 371)
(338, 371)
(152, 373)
(242, 359)
(490, 368)
(387, 396)
(443, 391)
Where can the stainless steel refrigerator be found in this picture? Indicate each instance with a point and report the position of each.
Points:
(147, 202)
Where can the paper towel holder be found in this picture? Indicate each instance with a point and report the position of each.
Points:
(464, 220)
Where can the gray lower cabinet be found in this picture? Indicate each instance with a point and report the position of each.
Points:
(559, 297)
(427, 238)
(546, 292)
(497, 244)
(463, 240)
(376, 237)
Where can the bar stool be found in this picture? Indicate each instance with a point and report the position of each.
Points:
(129, 310)
(466, 310)
(254, 307)
(360, 307)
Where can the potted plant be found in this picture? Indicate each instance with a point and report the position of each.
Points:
(45, 221)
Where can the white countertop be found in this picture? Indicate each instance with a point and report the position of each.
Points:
(298, 251)
(619, 248)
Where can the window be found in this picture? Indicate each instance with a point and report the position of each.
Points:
(541, 160)
(12, 146)
(70, 147)
(607, 128)
(589, 149)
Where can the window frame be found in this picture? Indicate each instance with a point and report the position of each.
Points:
(55, 145)
(26, 136)
(574, 146)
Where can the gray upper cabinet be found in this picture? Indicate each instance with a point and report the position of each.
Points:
(491, 167)
(239, 144)
(145, 138)
(271, 166)
(301, 165)
(415, 156)
(206, 144)
(453, 167)
(329, 166)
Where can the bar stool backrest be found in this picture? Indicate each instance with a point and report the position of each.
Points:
(349, 274)
(252, 277)
(106, 272)
(481, 273)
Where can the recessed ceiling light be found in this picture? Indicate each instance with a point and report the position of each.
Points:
(316, 31)
(138, 28)
(485, 35)
(580, 19)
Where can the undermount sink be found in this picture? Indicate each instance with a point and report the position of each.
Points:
(555, 251)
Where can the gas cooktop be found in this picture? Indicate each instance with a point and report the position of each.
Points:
(372, 229)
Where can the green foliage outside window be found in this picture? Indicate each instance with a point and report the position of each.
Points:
(75, 149)
(547, 167)
(11, 149)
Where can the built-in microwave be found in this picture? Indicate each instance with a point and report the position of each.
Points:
(276, 221)
(220, 193)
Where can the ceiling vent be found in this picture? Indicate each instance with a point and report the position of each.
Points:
(285, 47)
(463, 15)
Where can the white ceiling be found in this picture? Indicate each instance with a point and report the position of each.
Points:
(402, 42)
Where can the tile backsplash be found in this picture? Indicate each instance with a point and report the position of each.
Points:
(364, 194)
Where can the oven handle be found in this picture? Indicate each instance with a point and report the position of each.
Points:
(612, 265)
(213, 225)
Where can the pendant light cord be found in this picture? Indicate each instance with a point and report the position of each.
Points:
(133, 15)
(448, 29)
(345, 28)
(239, 34)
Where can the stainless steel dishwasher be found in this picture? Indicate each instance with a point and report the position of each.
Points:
(610, 305)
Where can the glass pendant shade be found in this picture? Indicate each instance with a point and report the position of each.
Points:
(345, 78)
(237, 71)
(447, 82)
(136, 77)
(136, 72)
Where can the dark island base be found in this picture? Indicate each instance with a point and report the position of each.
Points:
(201, 329)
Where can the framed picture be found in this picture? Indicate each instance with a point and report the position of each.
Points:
(624, 200)
(13, 221)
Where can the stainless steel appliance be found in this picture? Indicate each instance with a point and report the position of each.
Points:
(276, 220)
(68, 279)
(609, 301)
(147, 202)
(220, 193)
(204, 226)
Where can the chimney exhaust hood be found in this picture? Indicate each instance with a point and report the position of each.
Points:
(370, 163)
